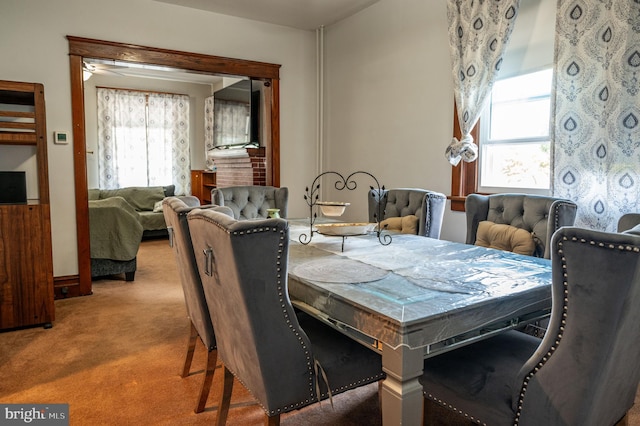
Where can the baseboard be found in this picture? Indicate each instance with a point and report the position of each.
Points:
(67, 286)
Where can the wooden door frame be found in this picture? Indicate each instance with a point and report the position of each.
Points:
(80, 48)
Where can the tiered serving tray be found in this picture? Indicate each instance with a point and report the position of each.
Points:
(337, 208)
(344, 229)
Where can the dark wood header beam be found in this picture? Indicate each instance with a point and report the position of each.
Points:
(100, 49)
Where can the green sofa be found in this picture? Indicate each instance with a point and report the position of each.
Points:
(147, 201)
(118, 220)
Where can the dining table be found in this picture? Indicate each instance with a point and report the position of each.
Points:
(413, 298)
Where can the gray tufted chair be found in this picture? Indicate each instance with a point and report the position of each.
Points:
(538, 214)
(279, 357)
(427, 205)
(251, 202)
(585, 369)
(628, 221)
(175, 213)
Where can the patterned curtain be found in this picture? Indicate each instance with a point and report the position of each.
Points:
(208, 124)
(597, 109)
(143, 139)
(479, 31)
(122, 136)
(168, 141)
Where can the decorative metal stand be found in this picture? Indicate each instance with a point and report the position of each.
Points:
(312, 198)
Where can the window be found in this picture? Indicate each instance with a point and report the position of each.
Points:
(514, 135)
(143, 139)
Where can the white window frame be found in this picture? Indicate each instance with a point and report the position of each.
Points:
(484, 133)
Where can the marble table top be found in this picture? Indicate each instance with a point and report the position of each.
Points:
(417, 291)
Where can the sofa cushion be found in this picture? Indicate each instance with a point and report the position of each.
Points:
(152, 221)
(141, 198)
(169, 190)
(505, 237)
(93, 194)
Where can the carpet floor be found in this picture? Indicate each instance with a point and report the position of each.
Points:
(115, 357)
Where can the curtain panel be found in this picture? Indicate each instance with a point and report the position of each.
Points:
(479, 32)
(168, 141)
(121, 137)
(208, 124)
(596, 131)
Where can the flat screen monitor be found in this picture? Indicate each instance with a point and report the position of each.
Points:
(13, 188)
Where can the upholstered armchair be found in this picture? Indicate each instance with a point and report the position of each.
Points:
(583, 372)
(253, 201)
(427, 206)
(539, 215)
(175, 212)
(628, 221)
(285, 361)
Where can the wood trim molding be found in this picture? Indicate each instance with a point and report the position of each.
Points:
(80, 48)
(464, 176)
(101, 49)
(66, 286)
(80, 176)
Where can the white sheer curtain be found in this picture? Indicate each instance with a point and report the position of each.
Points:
(168, 141)
(479, 31)
(143, 139)
(596, 146)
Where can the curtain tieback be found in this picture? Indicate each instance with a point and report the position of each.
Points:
(463, 149)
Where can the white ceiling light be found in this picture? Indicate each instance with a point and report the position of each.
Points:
(87, 71)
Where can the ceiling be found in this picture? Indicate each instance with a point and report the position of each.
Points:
(301, 14)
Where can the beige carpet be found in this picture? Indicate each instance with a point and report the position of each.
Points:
(115, 358)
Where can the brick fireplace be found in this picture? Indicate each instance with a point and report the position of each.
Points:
(242, 170)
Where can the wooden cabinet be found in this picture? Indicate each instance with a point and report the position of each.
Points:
(202, 182)
(26, 263)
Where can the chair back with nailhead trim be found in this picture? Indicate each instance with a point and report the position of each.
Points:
(538, 214)
(278, 354)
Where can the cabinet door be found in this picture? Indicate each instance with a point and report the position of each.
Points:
(196, 184)
(26, 266)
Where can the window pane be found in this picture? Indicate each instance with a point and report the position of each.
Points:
(523, 86)
(520, 119)
(521, 165)
(515, 140)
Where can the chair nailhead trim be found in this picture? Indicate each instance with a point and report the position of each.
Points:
(565, 302)
(455, 409)
(559, 334)
(280, 288)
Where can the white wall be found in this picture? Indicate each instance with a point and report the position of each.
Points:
(389, 95)
(33, 48)
(389, 101)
